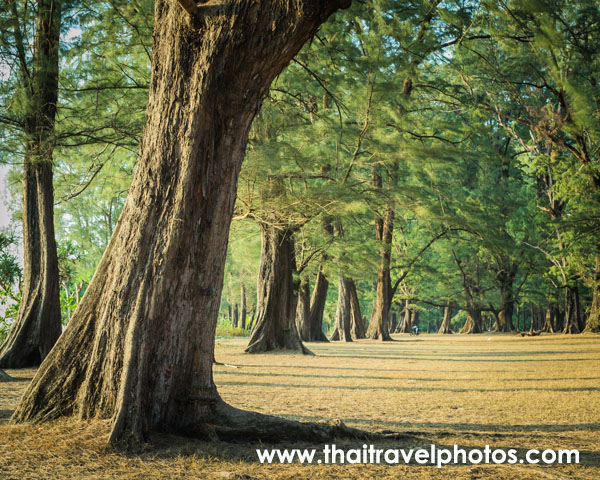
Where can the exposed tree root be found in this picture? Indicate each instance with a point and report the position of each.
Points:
(230, 424)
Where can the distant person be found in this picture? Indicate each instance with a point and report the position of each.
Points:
(414, 330)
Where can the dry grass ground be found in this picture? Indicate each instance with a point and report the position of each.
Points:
(505, 391)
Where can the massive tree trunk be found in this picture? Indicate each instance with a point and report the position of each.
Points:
(303, 310)
(343, 313)
(243, 312)
(139, 348)
(358, 328)
(379, 323)
(445, 326)
(317, 307)
(277, 294)
(38, 323)
(473, 323)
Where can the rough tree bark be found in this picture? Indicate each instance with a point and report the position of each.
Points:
(379, 323)
(317, 307)
(343, 312)
(139, 348)
(38, 323)
(303, 310)
(445, 326)
(473, 323)
(277, 294)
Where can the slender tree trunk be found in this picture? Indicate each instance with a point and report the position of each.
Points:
(572, 319)
(236, 316)
(277, 291)
(533, 317)
(559, 321)
(343, 312)
(445, 326)
(243, 312)
(303, 310)
(66, 290)
(593, 319)
(406, 325)
(549, 319)
(78, 289)
(358, 328)
(384, 228)
(139, 349)
(393, 321)
(379, 323)
(317, 307)
(252, 318)
(38, 323)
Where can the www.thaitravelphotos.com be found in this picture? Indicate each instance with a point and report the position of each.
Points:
(434, 455)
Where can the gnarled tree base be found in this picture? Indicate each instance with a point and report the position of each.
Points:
(262, 344)
(234, 425)
(473, 323)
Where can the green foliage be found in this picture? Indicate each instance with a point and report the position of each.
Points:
(476, 123)
(10, 282)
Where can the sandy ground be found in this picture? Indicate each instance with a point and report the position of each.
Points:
(502, 390)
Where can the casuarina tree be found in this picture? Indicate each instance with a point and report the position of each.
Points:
(139, 348)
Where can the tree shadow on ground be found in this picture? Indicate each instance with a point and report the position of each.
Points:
(370, 377)
(411, 388)
(440, 427)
